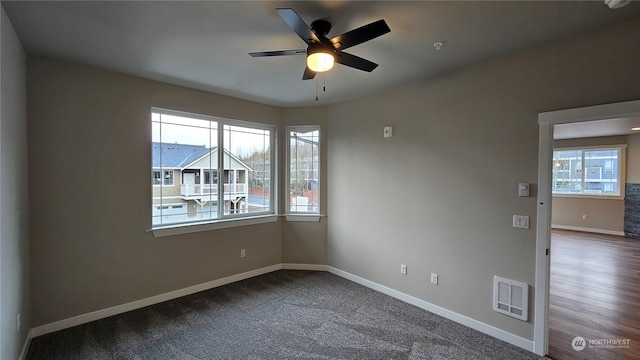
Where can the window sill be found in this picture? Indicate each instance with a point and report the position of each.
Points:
(221, 224)
(592, 197)
(303, 217)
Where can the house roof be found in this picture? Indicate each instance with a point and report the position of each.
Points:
(176, 155)
(182, 155)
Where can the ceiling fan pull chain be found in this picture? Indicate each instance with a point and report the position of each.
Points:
(324, 86)
(316, 89)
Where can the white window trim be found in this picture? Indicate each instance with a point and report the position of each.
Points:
(301, 216)
(188, 228)
(228, 221)
(295, 217)
(621, 173)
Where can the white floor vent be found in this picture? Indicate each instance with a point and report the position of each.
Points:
(510, 297)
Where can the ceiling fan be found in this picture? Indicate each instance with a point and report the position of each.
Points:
(323, 52)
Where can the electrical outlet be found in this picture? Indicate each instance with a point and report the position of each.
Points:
(243, 253)
(403, 269)
(18, 323)
(584, 217)
(434, 278)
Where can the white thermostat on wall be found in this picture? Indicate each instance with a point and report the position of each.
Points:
(523, 189)
(388, 131)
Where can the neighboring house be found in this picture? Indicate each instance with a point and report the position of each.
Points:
(185, 182)
(261, 172)
(600, 171)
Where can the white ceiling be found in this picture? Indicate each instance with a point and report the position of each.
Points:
(607, 127)
(204, 44)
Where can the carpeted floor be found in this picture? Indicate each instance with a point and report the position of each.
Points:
(280, 315)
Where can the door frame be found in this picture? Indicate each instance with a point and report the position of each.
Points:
(546, 121)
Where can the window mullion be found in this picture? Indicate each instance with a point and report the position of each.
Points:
(161, 171)
(584, 172)
(220, 169)
(213, 171)
(273, 177)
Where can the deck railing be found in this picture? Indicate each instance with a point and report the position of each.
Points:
(211, 190)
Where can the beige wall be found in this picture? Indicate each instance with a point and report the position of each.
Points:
(306, 242)
(15, 296)
(90, 250)
(440, 194)
(633, 158)
(603, 215)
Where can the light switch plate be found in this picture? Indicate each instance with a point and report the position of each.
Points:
(434, 278)
(521, 221)
(388, 131)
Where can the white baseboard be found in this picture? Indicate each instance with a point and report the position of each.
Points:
(461, 319)
(307, 267)
(586, 229)
(119, 309)
(25, 346)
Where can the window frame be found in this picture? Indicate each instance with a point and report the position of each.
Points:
(621, 169)
(302, 215)
(222, 220)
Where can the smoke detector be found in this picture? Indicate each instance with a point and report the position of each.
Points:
(616, 4)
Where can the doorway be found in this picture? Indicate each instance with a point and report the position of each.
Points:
(547, 121)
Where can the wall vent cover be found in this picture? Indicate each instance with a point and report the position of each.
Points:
(510, 297)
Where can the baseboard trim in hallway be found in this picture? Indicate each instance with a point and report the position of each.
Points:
(587, 230)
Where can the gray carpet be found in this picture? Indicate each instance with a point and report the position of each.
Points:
(280, 315)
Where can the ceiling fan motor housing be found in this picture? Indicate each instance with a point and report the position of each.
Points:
(321, 27)
(326, 48)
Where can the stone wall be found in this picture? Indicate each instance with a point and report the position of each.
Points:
(632, 211)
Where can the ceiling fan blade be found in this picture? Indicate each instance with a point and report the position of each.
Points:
(360, 35)
(308, 74)
(277, 53)
(298, 25)
(355, 61)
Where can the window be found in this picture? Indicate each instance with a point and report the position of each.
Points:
(588, 171)
(209, 168)
(303, 180)
(608, 167)
(159, 179)
(210, 177)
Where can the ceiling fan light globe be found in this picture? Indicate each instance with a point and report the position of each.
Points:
(320, 61)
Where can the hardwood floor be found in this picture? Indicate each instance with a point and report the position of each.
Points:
(595, 294)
